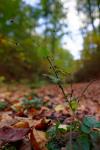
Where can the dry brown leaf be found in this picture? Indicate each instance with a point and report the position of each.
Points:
(43, 125)
(40, 138)
(6, 119)
(8, 134)
(21, 124)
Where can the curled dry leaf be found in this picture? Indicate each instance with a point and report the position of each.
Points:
(33, 141)
(43, 125)
(38, 140)
(8, 134)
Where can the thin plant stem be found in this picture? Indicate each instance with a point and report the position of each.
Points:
(59, 84)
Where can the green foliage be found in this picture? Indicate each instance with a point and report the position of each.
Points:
(16, 19)
(52, 78)
(53, 131)
(90, 58)
(91, 10)
(84, 130)
(9, 148)
(88, 124)
(3, 105)
(85, 139)
(54, 134)
(82, 142)
(74, 104)
(51, 12)
(64, 60)
(22, 52)
(52, 145)
(89, 121)
(34, 102)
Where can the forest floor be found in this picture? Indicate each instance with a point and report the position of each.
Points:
(55, 107)
(89, 103)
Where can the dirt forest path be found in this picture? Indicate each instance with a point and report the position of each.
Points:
(89, 103)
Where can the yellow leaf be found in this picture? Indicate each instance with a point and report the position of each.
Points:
(59, 108)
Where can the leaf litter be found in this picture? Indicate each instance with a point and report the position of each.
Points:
(27, 114)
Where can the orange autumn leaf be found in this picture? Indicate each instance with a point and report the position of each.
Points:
(33, 141)
(21, 124)
(32, 111)
(43, 125)
(38, 139)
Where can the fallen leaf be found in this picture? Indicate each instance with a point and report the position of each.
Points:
(9, 134)
(6, 119)
(96, 129)
(33, 141)
(32, 111)
(21, 124)
(39, 140)
(59, 107)
(43, 125)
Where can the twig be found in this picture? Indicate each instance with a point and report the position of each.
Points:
(85, 89)
(59, 84)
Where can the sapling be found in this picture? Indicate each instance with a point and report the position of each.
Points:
(87, 132)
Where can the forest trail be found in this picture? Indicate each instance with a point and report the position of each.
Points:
(89, 103)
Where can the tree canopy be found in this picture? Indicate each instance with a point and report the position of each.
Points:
(23, 51)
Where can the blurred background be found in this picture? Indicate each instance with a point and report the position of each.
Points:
(31, 30)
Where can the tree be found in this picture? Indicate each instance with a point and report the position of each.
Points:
(91, 11)
(22, 50)
(52, 15)
(90, 58)
(90, 54)
(16, 19)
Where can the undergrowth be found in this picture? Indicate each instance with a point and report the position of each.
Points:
(78, 135)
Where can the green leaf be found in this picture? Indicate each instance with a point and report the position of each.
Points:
(54, 79)
(74, 146)
(35, 102)
(83, 142)
(95, 135)
(74, 104)
(85, 129)
(52, 132)
(52, 145)
(89, 121)
(3, 105)
(97, 125)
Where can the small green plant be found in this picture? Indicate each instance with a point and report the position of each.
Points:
(84, 135)
(54, 134)
(34, 102)
(3, 105)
